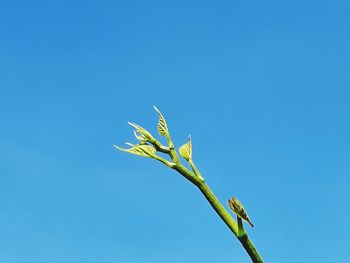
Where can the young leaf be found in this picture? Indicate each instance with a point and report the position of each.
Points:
(142, 150)
(162, 126)
(146, 135)
(186, 150)
(139, 136)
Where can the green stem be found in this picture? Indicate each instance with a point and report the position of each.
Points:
(241, 231)
(194, 169)
(229, 221)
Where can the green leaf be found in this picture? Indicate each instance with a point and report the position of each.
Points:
(144, 134)
(186, 150)
(162, 126)
(139, 136)
(142, 150)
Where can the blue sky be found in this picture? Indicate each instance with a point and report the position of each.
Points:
(263, 88)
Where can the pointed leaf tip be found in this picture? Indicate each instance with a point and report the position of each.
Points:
(119, 148)
(134, 125)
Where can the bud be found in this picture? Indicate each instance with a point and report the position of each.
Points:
(239, 210)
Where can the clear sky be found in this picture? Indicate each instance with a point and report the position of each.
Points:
(263, 87)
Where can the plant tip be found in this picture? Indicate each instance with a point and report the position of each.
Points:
(156, 109)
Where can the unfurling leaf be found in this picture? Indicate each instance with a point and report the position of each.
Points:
(139, 136)
(239, 210)
(186, 150)
(144, 134)
(142, 150)
(162, 126)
